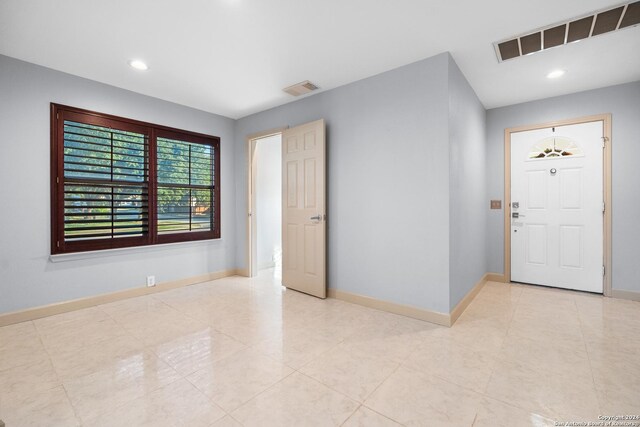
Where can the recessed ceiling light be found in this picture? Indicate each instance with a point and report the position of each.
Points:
(555, 74)
(138, 64)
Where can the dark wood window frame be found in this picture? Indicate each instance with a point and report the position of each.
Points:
(149, 235)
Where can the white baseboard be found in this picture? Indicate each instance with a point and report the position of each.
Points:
(444, 319)
(464, 302)
(392, 307)
(630, 295)
(77, 304)
(496, 277)
(266, 265)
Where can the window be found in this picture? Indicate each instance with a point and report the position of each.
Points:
(120, 183)
(554, 147)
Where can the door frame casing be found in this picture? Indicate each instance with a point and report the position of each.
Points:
(251, 222)
(606, 124)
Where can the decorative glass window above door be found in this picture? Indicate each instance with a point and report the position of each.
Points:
(555, 146)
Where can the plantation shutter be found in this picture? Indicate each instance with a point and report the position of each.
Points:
(186, 190)
(117, 182)
(105, 181)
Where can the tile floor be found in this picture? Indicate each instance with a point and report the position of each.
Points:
(245, 352)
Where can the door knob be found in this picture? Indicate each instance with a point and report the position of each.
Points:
(316, 218)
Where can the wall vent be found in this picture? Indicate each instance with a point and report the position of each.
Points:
(300, 88)
(602, 22)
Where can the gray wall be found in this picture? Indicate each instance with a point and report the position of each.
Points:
(623, 102)
(468, 204)
(268, 209)
(27, 277)
(388, 189)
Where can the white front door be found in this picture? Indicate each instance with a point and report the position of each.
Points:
(303, 209)
(557, 207)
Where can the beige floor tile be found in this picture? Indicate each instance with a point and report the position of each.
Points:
(177, 404)
(77, 317)
(25, 380)
(617, 379)
(568, 396)
(493, 413)
(72, 362)
(548, 353)
(498, 314)
(192, 352)
(251, 330)
(154, 333)
(365, 417)
(50, 408)
(19, 351)
(451, 361)
(298, 348)
(535, 352)
(22, 330)
(226, 421)
(296, 401)
(146, 308)
(352, 373)
(232, 381)
(391, 340)
(415, 399)
(79, 329)
(482, 335)
(132, 377)
(543, 323)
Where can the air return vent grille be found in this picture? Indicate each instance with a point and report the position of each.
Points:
(601, 22)
(300, 88)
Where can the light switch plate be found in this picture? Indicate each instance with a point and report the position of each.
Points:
(496, 204)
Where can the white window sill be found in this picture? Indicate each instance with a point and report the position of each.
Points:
(74, 256)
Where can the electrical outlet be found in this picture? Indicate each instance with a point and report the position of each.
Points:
(151, 281)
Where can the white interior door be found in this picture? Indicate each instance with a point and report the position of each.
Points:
(303, 209)
(557, 207)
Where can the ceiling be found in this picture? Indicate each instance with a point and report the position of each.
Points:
(233, 57)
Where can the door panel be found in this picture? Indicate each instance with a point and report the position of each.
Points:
(537, 186)
(557, 195)
(310, 183)
(571, 188)
(536, 244)
(571, 246)
(303, 214)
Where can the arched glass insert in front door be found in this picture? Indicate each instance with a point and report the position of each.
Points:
(555, 146)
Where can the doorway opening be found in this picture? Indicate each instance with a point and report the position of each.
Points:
(303, 207)
(557, 217)
(265, 211)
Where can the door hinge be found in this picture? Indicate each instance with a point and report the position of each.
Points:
(604, 206)
(604, 141)
(603, 271)
(57, 116)
(58, 243)
(57, 180)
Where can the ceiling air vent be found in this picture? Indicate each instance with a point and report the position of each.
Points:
(602, 22)
(300, 88)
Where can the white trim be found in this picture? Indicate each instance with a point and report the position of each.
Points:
(392, 307)
(628, 295)
(80, 303)
(444, 319)
(74, 256)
